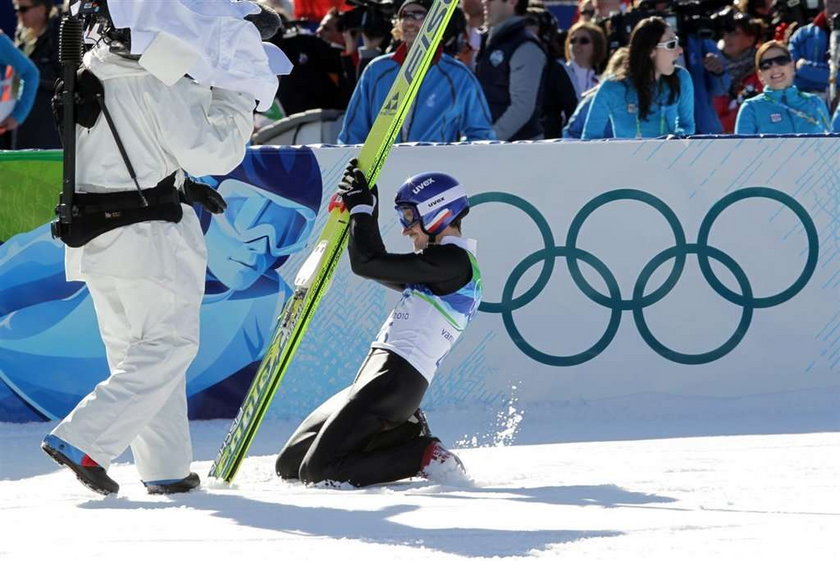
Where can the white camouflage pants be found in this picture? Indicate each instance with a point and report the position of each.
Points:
(147, 282)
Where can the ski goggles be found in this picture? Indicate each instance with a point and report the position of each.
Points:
(670, 45)
(408, 215)
(253, 214)
(768, 63)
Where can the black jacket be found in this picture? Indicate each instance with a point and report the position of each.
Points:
(39, 130)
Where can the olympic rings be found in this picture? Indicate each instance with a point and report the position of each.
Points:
(639, 301)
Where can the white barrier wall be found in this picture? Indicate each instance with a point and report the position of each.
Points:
(689, 267)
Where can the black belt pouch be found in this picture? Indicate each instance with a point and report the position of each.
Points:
(97, 213)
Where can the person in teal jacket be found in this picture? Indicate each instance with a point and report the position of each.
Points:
(16, 72)
(449, 107)
(650, 96)
(781, 108)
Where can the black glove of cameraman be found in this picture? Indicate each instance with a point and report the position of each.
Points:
(193, 192)
(354, 191)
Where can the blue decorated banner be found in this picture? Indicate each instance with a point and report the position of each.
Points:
(701, 267)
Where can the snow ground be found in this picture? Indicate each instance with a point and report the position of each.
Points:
(693, 486)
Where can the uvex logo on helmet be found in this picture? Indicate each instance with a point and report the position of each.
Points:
(423, 185)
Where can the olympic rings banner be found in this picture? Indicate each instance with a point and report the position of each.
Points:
(700, 267)
(707, 267)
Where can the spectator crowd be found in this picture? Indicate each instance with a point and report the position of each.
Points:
(506, 71)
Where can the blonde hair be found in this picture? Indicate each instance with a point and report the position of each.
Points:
(617, 61)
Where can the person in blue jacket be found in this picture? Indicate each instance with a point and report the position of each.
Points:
(809, 50)
(781, 108)
(704, 62)
(835, 122)
(574, 128)
(16, 71)
(650, 96)
(449, 107)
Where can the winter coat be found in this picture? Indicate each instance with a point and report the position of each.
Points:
(617, 102)
(810, 42)
(39, 130)
(450, 104)
(785, 111)
(706, 84)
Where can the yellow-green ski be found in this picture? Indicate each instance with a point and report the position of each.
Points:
(315, 275)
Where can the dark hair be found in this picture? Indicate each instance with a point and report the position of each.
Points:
(754, 27)
(640, 69)
(546, 25)
(521, 7)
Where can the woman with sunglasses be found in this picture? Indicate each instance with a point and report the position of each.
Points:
(781, 108)
(373, 432)
(37, 37)
(586, 50)
(650, 96)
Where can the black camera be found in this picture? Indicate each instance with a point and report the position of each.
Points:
(618, 27)
(368, 16)
(686, 18)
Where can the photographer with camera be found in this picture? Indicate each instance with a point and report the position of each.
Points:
(369, 22)
(741, 37)
(318, 80)
(449, 107)
(559, 98)
(650, 96)
(131, 236)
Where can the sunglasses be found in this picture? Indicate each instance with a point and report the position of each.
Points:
(670, 45)
(416, 16)
(408, 215)
(780, 60)
(580, 41)
(23, 9)
(587, 13)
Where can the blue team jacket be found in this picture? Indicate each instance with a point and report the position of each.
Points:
(783, 112)
(449, 105)
(617, 102)
(835, 123)
(574, 128)
(811, 43)
(706, 84)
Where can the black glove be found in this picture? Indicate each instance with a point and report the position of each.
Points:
(193, 192)
(354, 190)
